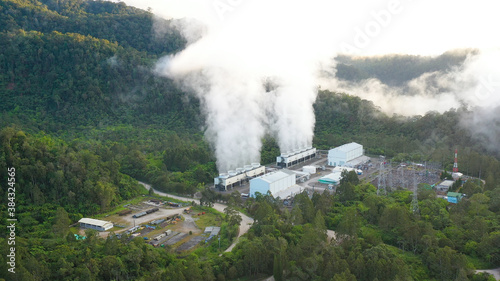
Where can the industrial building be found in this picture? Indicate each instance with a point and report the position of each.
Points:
(336, 175)
(286, 160)
(345, 155)
(238, 176)
(444, 186)
(273, 182)
(95, 224)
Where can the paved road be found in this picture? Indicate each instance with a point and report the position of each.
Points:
(246, 221)
(495, 272)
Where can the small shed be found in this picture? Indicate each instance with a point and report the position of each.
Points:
(454, 197)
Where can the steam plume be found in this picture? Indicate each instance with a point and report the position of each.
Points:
(246, 43)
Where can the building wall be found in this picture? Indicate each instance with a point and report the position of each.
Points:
(282, 184)
(256, 172)
(96, 227)
(339, 155)
(258, 185)
(263, 186)
(336, 157)
(239, 177)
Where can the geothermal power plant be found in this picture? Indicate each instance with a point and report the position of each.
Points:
(286, 160)
(238, 176)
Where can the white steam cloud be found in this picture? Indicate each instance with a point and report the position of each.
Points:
(256, 64)
(475, 83)
(255, 73)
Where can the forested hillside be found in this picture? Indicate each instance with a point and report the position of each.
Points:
(115, 22)
(83, 117)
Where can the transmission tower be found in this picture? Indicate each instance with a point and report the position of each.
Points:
(414, 202)
(390, 183)
(455, 163)
(381, 188)
(403, 179)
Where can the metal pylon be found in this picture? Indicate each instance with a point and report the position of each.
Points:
(381, 188)
(414, 202)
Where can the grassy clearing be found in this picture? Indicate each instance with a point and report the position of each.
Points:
(208, 220)
(159, 231)
(120, 207)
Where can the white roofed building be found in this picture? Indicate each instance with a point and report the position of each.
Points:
(341, 155)
(95, 224)
(274, 182)
(444, 186)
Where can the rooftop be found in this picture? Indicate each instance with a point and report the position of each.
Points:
(332, 178)
(348, 146)
(94, 222)
(291, 191)
(277, 175)
(447, 183)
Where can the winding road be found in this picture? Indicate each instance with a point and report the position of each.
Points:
(495, 272)
(246, 221)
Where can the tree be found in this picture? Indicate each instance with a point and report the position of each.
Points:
(346, 192)
(344, 276)
(207, 197)
(105, 192)
(446, 263)
(278, 267)
(349, 224)
(305, 204)
(349, 177)
(61, 223)
(233, 217)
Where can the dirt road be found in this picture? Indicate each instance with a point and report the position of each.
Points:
(246, 221)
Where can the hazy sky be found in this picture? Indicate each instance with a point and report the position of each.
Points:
(413, 27)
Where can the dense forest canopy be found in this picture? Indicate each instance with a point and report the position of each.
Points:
(83, 117)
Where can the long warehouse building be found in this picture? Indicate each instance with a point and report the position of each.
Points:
(95, 224)
(238, 176)
(341, 155)
(273, 182)
(286, 160)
